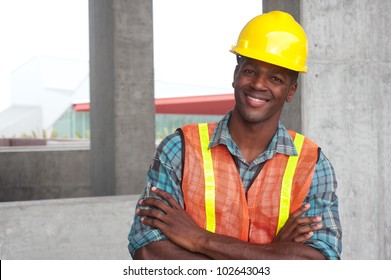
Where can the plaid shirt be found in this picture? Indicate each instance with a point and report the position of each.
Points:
(166, 173)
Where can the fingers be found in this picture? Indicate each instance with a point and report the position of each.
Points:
(302, 209)
(299, 229)
(166, 196)
(294, 219)
(158, 203)
(306, 228)
(303, 237)
(153, 223)
(152, 211)
(307, 220)
(154, 214)
(152, 202)
(304, 233)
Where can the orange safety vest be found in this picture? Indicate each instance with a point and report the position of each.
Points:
(214, 195)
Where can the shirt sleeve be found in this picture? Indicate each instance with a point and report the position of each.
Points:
(165, 173)
(324, 202)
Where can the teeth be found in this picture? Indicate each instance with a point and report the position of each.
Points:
(256, 99)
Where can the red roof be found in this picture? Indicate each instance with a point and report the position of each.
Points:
(195, 105)
(82, 107)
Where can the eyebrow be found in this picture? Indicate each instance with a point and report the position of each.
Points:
(275, 71)
(250, 63)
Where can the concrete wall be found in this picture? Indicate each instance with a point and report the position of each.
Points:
(345, 106)
(40, 173)
(93, 228)
(291, 115)
(346, 102)
(122, 95)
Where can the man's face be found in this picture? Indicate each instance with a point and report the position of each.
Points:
(261, 90)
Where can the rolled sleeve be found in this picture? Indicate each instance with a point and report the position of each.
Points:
(165, 173)
(141, 235)
(324, 202)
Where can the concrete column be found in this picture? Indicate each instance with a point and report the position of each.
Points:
(346, 110)
(122, 95)
(292, 7)
(291, 115)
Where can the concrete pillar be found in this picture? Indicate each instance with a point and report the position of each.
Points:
(292, 7)
(291, 115)
(122, 95)
(346, 110)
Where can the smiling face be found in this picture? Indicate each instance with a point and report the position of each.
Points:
(261, 89)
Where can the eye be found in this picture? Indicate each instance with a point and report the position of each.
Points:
(248, 71)
(276, 79)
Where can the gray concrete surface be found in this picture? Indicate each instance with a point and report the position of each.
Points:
(291, 115)
(92, 228)
(346, 102)
(122, 95)
(345, 106)
(44, 172)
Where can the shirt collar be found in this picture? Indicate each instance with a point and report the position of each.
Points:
(281, 142)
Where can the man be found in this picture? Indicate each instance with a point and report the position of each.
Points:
(244, 188)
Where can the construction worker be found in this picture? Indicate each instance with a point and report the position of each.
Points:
(245, 187)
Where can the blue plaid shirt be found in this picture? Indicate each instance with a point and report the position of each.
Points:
(166, 173)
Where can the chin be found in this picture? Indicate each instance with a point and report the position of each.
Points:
(253, 118)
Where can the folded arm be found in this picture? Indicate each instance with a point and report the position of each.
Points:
(166, 250)
(187, 240)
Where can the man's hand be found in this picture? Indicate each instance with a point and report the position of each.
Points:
(299, 229)
(171, 219)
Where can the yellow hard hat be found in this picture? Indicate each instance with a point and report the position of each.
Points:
(275, 38)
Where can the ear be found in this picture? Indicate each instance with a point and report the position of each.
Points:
(292, 91)
(235, 74)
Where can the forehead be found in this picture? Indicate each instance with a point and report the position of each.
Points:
(261, 65)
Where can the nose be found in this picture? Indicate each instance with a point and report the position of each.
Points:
(259, 83)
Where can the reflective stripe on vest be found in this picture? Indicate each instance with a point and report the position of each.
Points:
(210, 180)
(285, 200)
